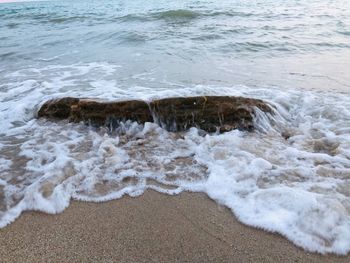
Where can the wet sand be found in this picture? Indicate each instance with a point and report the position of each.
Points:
(151, 228)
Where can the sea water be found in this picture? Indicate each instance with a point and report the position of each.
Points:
(291, 176)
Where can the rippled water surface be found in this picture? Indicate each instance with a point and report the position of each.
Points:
(293, 54)
(198, 42)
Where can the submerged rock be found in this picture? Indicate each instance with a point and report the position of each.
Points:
(209, 113)
(96, 112)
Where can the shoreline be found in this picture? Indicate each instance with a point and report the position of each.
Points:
(154, 227)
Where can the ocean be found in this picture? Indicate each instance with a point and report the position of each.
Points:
(293, 54)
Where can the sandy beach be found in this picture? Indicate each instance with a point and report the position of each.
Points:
(150, 228)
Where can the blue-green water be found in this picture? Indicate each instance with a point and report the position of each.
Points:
(188, 41)
(293, 54)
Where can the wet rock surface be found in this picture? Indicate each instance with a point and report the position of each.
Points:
(209, 113)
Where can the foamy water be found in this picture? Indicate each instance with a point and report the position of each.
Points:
(291, 176)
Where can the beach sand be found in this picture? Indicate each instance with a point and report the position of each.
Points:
(151, 228)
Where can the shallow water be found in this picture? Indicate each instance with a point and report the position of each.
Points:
(294, 55)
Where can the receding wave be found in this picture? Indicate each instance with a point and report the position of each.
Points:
(290, 176)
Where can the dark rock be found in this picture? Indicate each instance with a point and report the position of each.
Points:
(209, 113)
(96, 112)
(58, 108)
(101, 113)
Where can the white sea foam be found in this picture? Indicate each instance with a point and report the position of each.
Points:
(4, 164)
(291, 176)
